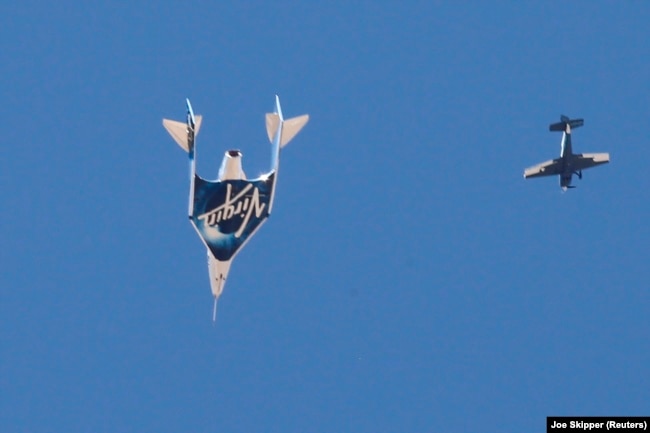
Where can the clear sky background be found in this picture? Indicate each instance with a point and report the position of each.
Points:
(409, 280)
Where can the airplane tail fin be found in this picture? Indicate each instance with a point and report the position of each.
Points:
(178, 131)
(290, 127)
(281, 131)
(184, 133)
(566, 124)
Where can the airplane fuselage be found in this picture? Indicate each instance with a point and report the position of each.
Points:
(567, 156)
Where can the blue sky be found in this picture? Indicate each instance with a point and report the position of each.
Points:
(409, 279)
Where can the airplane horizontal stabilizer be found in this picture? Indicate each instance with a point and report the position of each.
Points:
(272, 124)
(178, 131)
(562, 125)
(290, 127)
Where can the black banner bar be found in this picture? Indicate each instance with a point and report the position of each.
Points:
(574, 424)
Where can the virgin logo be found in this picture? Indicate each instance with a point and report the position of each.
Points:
(241, 206)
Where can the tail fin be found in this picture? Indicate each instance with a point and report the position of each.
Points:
(178, 131)
(184, 133)
(290, 128)
(566, 124)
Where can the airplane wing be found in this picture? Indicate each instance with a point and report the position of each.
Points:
(583, 161)
(227, 213)
(548, 168)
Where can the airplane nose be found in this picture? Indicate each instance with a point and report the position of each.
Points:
(234, 153)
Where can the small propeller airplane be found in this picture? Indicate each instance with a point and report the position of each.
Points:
(227, 212)
(568, 163)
